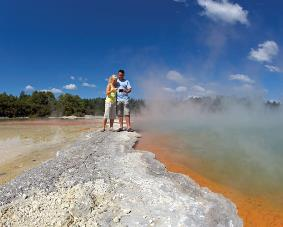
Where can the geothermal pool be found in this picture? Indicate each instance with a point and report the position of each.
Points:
(240, 157)
(248, 159)
(27, 143)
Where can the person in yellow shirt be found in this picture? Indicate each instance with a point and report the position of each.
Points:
(110, 102)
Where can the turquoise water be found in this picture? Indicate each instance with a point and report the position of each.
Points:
(243, 150)
(245, 157)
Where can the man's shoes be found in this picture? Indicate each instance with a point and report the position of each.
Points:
(128, 130)
(102, 130)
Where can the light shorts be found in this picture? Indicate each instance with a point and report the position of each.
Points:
(123, 108)
(110, 110)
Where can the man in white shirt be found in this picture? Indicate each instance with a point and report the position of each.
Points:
(123, 108)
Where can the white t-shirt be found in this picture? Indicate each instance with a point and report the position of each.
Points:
(123, 84)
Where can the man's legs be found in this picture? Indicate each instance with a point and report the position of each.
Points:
(124, 110)
(120, 113)
(128, 121)
(111, 123)
(127, 113)
(121, 121)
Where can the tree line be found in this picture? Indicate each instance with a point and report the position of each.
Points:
(45, 104)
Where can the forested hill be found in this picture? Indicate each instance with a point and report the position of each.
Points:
(45, 104)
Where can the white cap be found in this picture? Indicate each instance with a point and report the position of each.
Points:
(114, 76)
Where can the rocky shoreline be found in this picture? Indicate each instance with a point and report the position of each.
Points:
(102, 181)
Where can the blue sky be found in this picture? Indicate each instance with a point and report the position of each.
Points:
(193, 47)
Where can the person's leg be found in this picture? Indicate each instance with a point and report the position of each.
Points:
(128, 121)
(120, 108)
(112, 115)
(128, 116)
(111, 123)
(121, 119)
(104, 123)
(106, 115)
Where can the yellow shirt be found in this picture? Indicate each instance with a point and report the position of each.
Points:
(111, 98)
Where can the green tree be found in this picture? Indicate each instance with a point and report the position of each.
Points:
(23, 105)
(7, 105)
(42, 103)
(71, 105)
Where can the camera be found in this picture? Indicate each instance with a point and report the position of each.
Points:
(121, 90)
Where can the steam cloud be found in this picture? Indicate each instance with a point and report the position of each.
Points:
(241, 134)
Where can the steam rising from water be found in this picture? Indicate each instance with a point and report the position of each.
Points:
(239, 139)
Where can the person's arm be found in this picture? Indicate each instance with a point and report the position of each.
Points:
(129, 88)
(109, 89)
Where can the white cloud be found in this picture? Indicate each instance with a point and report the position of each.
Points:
(168, 89)
(225, 11)
(198, 91)
(242, 78)
(29, 88)
(273, 68)
(195, 90)
(56, 91)
(85, 84)
(174, 75)
(70, 87)
(72, 77)
(265, 53)
(198, 88)
(53, 90)
(181, 89)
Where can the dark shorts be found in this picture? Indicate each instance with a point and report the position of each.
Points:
(123, 108)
